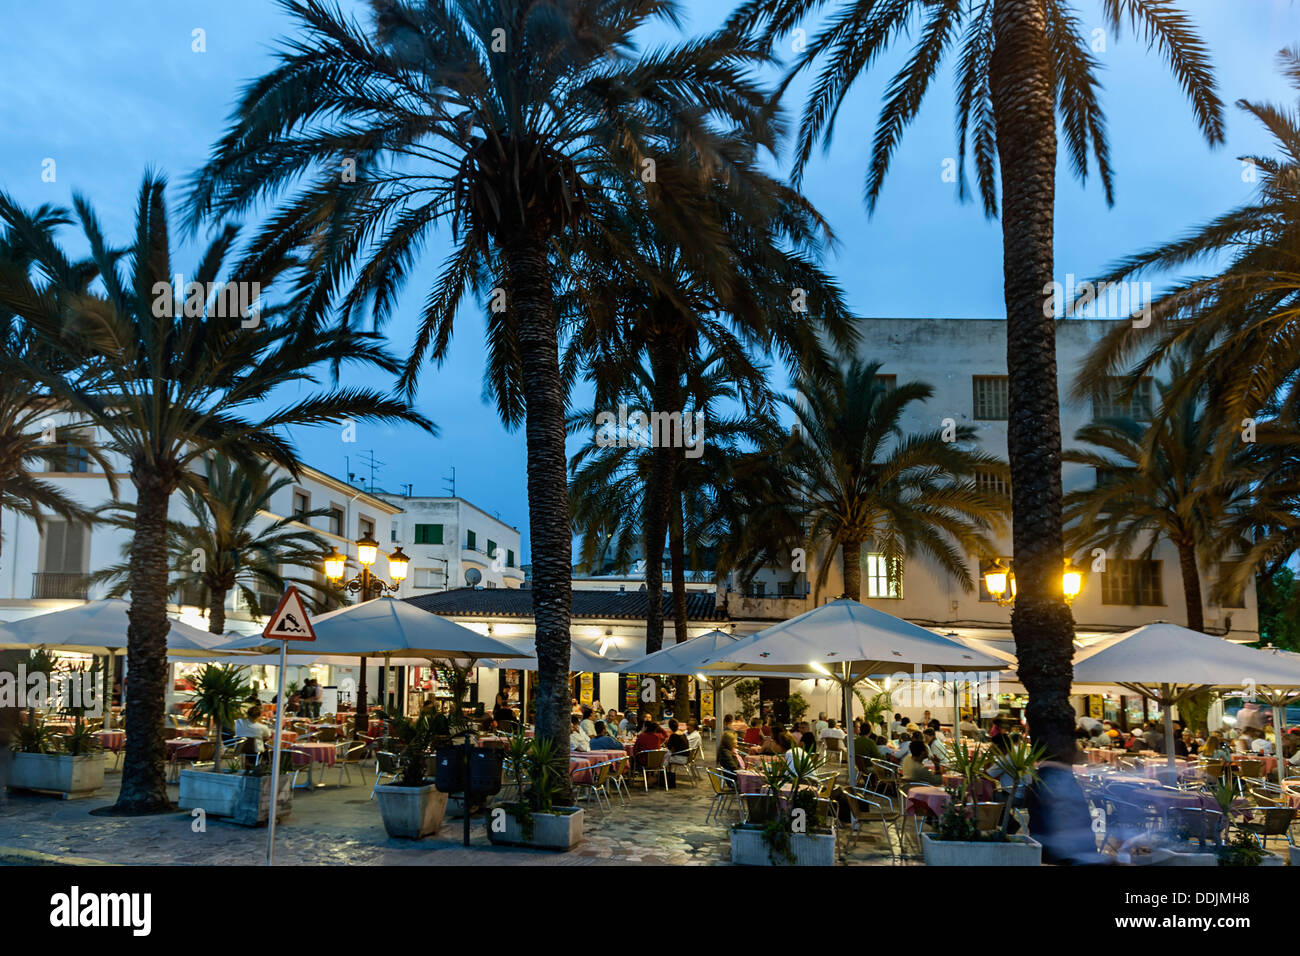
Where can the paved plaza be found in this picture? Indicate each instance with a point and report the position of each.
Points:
(340, 825)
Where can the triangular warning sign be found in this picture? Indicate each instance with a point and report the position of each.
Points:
(290, 621)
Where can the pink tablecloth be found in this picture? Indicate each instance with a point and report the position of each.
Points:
(1292, 795)
(111, 739)
(579, 762)
(926, 800)
(984, 789)
(182, 748)
(1270, 763)
(305, 753)
(1098, 755)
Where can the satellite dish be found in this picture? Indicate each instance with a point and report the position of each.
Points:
(473, 576)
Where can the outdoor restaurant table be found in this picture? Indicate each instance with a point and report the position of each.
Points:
(580, 761)
(1270, 763)
(926, 799)
(1291, 794)
(309, 754)
(1103, 755)
(183, 748)
(983, 788)
(111, 740)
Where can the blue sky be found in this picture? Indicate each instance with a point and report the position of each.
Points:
(108, 89)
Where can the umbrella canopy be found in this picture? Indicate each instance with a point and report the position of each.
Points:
(691, 657)
(849, 637)
(99, 627)
(581, 661)
(387, 626)
(1168, 663)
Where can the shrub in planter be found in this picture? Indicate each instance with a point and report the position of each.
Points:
(71, 765)
(241, 794)
(411, 808)
(792, 830)
(533, 819)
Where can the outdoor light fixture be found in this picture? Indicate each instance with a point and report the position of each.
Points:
(334, 565)
(1001, 583)
(367, 551)
(820, 668)
(398, 563)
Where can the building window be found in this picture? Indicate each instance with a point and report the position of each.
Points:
(428, 578)
(785, 589)
(986, 565)
(1110, 400)
(884, 577)
(64, 561)
(336, 519)
(1132, 583)
(758, 589)
(428, 534)
(301, 503)
(492, 549)
(991, 401)
(392, 534)
(471, 541)
(510, 558)
(69, 459)
(991, 483)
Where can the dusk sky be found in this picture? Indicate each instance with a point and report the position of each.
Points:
(108, 89)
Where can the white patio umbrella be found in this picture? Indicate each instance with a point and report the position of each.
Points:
(99, 627)
(1168, 663)
(848, 642)
(581, 661)
(690, 657)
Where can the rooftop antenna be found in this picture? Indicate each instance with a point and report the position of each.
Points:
(369, 460)
(408, 486)
(450, 483)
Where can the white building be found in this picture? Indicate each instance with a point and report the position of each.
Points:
(452, 544)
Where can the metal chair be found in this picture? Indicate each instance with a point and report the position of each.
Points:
(386, 765)
(724, 794)
(1276, 822)
(653, 761)
(1203, 825)
(833, 745)
(594, 782)
(870, 806)
(353, 757)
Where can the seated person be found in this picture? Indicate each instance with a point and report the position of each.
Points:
(936, 747)
(792, 749)
(832, 732)
(587, 725)
(251, 726)
(734, 724)
(729, 761)
(754, 733)
(1100, 738)
(969, 728)
(913, 768)
(772, 744)
(693, 735)
(866, 746)
(578, 741)
(648, 739)
(603, 739)
(805, 737)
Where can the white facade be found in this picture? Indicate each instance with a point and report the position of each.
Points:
(965, 362)
(446, 538)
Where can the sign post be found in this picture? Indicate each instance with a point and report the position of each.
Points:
(289, 623)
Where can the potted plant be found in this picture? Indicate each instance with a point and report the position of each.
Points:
(796, 706)
(231, 788)
(411, 807)
(788, 830)
(747, 694)
(71, 767)
(958, 840)
(533, 819)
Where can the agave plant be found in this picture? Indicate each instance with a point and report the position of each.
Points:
(219, 689)
(972, 765)
(1020, 762)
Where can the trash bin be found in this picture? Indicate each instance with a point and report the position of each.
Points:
(485, 765)
(449, 769)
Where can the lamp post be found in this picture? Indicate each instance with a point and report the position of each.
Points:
(369, 586)
(1001, 583)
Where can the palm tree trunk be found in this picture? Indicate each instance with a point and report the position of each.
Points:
(1191, 586)
(851, 552)
(528, 285)
(217, 611)
(659, 489)
(144, 781)
(1024, 111)
(677, 554)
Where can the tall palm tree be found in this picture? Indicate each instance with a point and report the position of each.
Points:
(238, 548)
(860, 479)
(1020, 66)
(1238, 317)
(169, 381)
(519, 124)
(1157, 483)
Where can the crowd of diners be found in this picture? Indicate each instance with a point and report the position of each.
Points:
(1250, 735)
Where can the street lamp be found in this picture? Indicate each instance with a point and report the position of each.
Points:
(1001, 583)
(369, 586)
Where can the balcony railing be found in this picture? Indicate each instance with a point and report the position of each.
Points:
(59, 584)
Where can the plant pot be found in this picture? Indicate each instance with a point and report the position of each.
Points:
(551, 831)
(1017, 851)
(810, 849)
(411, 813)
(243, 798)
(69, 776)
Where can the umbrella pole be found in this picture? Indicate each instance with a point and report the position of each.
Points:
(956, 716)
(108, 695)
(846, 691)
(1279, 725)
(1167, 700)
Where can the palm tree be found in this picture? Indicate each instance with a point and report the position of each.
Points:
(862, 480)
(1157, 483)
(239, 550)
(168, 383)
(518, 123)
(1020, 65)
(26, 440)
(1239, 317)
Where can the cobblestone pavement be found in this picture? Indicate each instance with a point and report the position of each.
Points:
(339, 825)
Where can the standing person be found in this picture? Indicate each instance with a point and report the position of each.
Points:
(502, 711)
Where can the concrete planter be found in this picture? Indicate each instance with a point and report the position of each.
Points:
(411, 813)
(1295, 855)
(63, 774)
(1017, 851)
(809, 849)
(243, 798)
(551, 831)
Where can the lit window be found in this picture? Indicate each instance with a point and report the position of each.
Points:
(884, 577)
